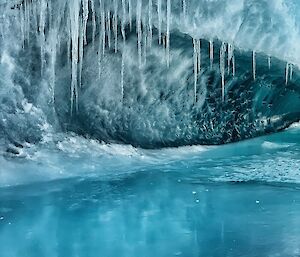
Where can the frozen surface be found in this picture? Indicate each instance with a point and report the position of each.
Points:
(82, 198)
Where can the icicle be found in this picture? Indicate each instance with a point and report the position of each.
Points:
(291, 71)
(53, 51)
(222, 68)
(27, 20)
(229, 58)
(197, 64)
(108, 30)
(123, 19)
(123, 70)
(254, 64)
(34, 14)
(139, 29)
(269, 62)
(22, 25)
(115, 25)
(85, 16)
(81, 46)
(103, 32)
(49, 5)
(168, 31)
(74, 10)
(199, 54)
(159, 20)
(145, 47)
(211, 52)
(287, 73)
(100, 55)
(150, 22)
(93, 21)
(42, 32)
(184, 9)
(195, 68)
(233, 66)
(130, 14)
(69, 44)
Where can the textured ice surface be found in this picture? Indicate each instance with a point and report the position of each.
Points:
(268, 159)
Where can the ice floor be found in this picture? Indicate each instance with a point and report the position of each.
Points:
(234, 200)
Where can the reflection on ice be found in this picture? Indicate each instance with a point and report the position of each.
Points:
(149, 213)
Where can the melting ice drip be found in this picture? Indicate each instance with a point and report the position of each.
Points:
(109, 21)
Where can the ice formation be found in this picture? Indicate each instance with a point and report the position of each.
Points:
(105, 18)
(167, 40)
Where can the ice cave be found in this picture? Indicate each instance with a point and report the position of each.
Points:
(144, 128)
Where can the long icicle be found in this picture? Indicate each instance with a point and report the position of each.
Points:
(103, 26)
(139, 30)
(101, 47)
(27, 20)
(85, 16)
(184, 9)
(50, 14)
(123, 19)
(168, 31)
(123, 70)
(42, 32)
(195, 68)
(21, 19)
(233, 66)
(74, 16)
(150, 6)
(291, 71)
(211, 52)
(145, 41)
(93, 21)
(81, 48)
(130, 14)
(222, 68)
(108, 29)
(34, 14)
(69, 43)
(197, 64)
(199, 54)
(287, 73)
(159, 21)
(115, 25)
(53, 50)
(231, 59)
